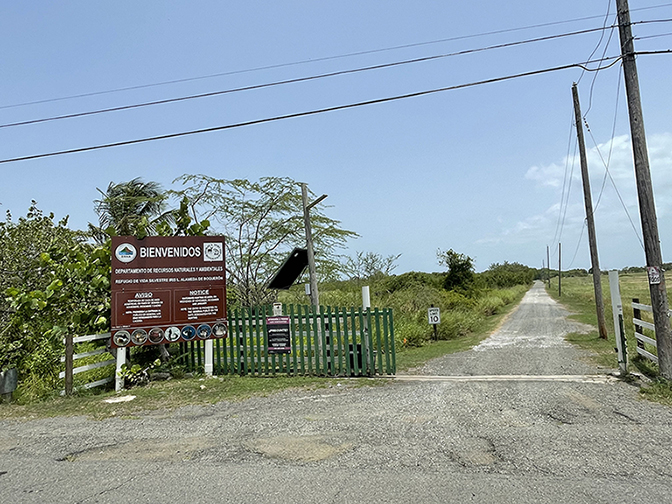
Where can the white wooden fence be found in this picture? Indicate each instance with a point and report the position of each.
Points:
(88, 367)
(640, 325)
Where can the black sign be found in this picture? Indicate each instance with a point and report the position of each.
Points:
(277, 329)
(290, 270)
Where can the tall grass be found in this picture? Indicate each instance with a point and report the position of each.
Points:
(578, 295)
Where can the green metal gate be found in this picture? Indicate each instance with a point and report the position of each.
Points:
(324, 342)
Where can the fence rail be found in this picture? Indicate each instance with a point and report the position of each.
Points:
(84, 384)
(640, 326)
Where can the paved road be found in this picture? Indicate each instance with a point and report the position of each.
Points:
(456, 437)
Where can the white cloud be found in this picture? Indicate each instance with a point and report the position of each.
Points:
(612, 223)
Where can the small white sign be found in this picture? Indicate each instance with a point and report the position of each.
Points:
(654, 275)
(434, 315)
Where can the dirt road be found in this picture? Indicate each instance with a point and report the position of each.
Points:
(522, 418)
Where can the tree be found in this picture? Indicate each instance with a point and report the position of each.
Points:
(133, 208)
(262, 222)
(370, 264)
(52, 282)
(460, 270)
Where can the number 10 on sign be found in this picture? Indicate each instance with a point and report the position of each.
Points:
(434, 315)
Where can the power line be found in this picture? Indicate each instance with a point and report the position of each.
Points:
(564, 180)
(314, 60)
(611, 143)
(300, 79)
(311, 112)
(634, 228)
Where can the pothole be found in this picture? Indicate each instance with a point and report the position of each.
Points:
(145, 449)
(475, 452)
(297, 448)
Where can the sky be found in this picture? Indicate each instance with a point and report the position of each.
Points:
(488, 170)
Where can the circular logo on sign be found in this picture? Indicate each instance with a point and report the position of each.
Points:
(121, 338)
(188, 332)
(219, 330)
(213, 251)
(125, 252)
(203, 331)
(139, 337)
(156, 335)
(172, 334)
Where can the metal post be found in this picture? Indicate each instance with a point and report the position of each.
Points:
(559, 269)
(314, 295)
(548, 267)
(617, 310)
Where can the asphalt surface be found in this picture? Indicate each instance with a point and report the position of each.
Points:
(522, 418)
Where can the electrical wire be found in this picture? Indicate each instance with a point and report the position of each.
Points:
(613, 183)
(564, 180)
(599, 42)
(613, 133)
(654, 36)
(578, 244)
(315, 60)
(615, 59)
(300, 79)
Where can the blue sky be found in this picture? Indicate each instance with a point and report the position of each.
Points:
(479, 170)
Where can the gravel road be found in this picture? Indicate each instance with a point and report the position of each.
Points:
(522, 418)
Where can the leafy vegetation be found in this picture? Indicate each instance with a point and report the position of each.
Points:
(262, 222)
(56, 281)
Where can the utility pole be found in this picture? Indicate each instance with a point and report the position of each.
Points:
(548, 266)
(559, 269)
(587, 198)
(314, 295)
(647, 209)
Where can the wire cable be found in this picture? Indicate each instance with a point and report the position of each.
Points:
(613, 133)
(634, 228)
(315, 60)
(578, 244)
(599, 42)
(298, 79)
(310, 112)
(564, 180)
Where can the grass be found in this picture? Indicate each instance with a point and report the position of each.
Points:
(578, 297)
(173, 394)
(169, 395)
(414, 357)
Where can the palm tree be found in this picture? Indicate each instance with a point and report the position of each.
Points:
(132, 208)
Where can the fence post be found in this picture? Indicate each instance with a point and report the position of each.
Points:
(121, 360)
(637, 313)
(617, 310)
(209, 357)
(69, 351)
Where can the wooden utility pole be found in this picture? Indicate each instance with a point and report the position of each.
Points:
(559, 269)
(587, 198)
(314, 296)
(647, 209)
(548, 266)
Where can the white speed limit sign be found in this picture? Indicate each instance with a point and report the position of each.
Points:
(434, 315)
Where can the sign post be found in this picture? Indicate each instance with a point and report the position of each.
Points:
(434, 318)
(167, 290)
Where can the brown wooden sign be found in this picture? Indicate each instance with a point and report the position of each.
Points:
(167, 289)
